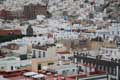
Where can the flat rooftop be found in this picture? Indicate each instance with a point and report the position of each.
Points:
(47, 78)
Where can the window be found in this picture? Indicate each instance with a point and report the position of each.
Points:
(43, 54)
(34, 52)
(112, 32)
(73, 70)
(106, 51)
(118, 32)
(111, 51)
(62, 57)
(2, 67)
(99, 49)
(39, 54)
(63, 72)
(11, 67)
(38, 43)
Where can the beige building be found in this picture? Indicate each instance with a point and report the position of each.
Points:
(38, 64)
(43, 56)
(96, 45)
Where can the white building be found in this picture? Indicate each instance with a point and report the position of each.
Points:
(64, 68)
(103, 33)
(43, 40)
(38, 40)
(40, 30)
(109, 53)
(44, 52)
(65, 35)
(13, 64)
(111, 32)
(65, 55)
(22, 50)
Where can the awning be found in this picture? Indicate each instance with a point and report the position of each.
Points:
(38, 76)
(30, 74)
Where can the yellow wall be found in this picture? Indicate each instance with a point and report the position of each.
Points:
(43, 62)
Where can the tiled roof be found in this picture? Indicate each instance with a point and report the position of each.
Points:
(9, 32)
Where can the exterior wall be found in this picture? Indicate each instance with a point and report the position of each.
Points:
(35, 65)
(95, 45)
(69, 69)
(66, 56)
(21, 50)
(38, 30)
(65, 35)
(49, 53)
(43, 62)
(6, 65)
(50, 57)
(60, 48)
(39, 53)
(103, 33)
(43, 40)
(113, 31)
(109, 53)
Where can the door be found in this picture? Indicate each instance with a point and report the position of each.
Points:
(39, 66)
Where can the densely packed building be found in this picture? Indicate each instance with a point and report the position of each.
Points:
(59, 39)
